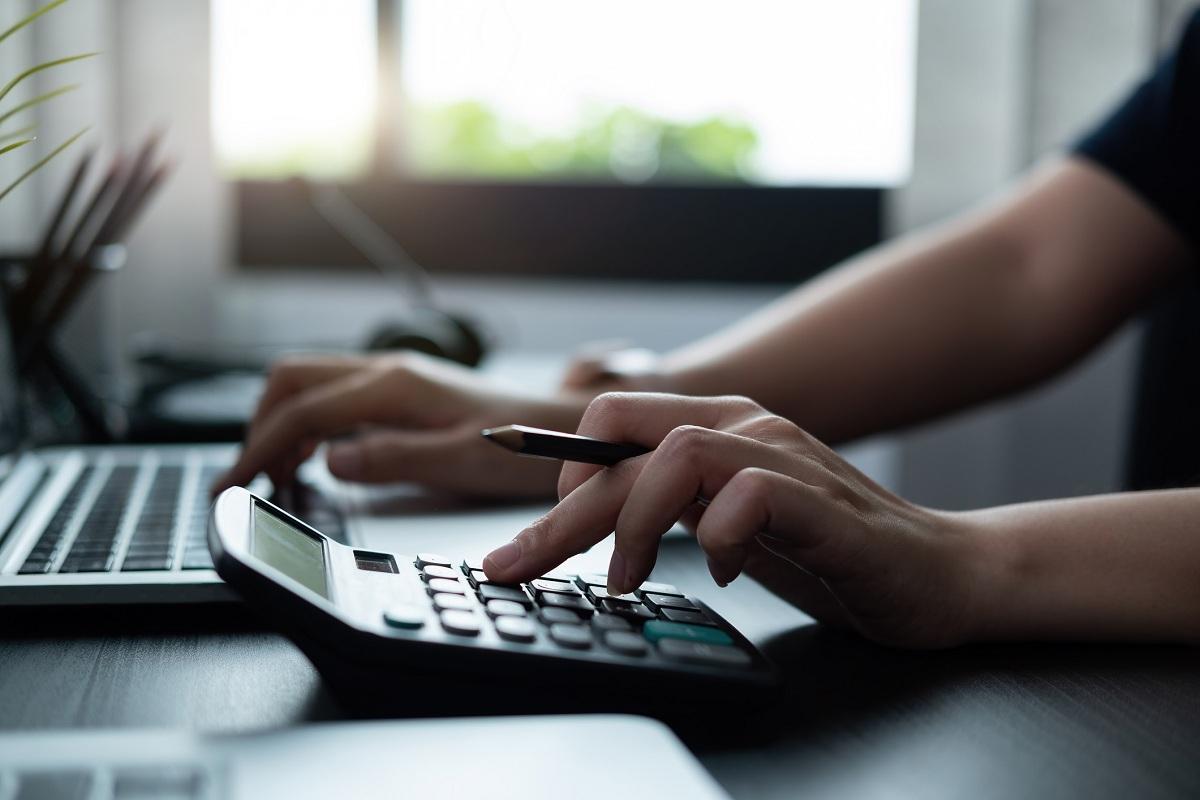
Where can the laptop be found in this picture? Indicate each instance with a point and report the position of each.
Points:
(592, 757)
(119, 524)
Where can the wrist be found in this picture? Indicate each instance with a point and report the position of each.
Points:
(989, 568)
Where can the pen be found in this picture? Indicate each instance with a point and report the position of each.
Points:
(539, 443)
(527, 441)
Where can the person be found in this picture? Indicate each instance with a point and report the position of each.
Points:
(982, 306)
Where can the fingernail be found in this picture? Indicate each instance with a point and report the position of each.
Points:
(345, 460)
(718, 574)
(617, 577)
(503, 557)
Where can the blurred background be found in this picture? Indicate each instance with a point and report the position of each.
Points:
(576, 171)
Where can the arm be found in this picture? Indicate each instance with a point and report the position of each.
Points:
(788, 511)
(987, 304)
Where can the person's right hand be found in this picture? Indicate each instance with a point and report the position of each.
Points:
(398, 417)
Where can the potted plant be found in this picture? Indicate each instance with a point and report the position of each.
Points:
(17, 138)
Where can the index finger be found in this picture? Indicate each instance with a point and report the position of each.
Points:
(646, 418)
(317, 414)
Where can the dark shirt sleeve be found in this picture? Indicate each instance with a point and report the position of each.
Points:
(1151, 142)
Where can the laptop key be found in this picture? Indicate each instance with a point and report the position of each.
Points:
(197, 560)
(98, 564)
(146, 564)
(34, 566)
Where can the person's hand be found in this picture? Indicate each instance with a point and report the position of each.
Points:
(397, 417)
(782, 507)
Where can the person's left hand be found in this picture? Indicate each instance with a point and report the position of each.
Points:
(783, 507)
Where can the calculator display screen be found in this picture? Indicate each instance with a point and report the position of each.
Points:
(289, 550)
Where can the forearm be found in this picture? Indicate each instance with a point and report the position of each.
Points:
(1122, 567)
(983, 306)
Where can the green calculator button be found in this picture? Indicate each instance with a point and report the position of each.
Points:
(657, 629)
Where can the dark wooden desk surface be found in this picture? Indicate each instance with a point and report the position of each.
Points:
(858, 722)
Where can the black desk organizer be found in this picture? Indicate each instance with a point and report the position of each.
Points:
(44, 374)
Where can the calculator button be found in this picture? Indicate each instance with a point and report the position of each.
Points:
(436, 571)
(667, 601)
(505, 608)
(690, 617)
(573, 602)
(634, 611)
(591, 579)
(489, 591)
(470, 565)
(515, 629)
(611, 622)
(702, 653)
(575, 636)
(452, 602)
(558, 587)
(660, 588)
(551, 616)
(626, 642)
(445, 585)
(427, 559)
(404, 616)
(656, 630)
(598, 593)
(463, 623)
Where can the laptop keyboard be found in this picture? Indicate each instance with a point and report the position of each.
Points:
(170, 531)
(157, 781)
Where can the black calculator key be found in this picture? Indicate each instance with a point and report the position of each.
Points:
(634, 611)
(591, 579)
(574, 602)
(702, 653)
(468, 566)
(553, 616)
(404, 616)
(437, 571)
(626, 642)
(611, 622)
(505, 608)
(443, 601)
(464, 623)
(436, 585)
(558, 587)
(598, 593)
(690, 617)
(431, 559)
(667, 601)
(660, 588)
(490, 591)
(574, 636)
(515, 629)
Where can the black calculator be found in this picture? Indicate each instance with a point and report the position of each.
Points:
(385, 629)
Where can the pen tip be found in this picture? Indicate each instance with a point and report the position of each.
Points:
(507, 437)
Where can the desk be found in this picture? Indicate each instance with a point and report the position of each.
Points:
(859, 721)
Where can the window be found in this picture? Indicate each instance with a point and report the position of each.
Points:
(652, 121)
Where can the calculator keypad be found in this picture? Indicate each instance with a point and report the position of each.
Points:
(571, 612)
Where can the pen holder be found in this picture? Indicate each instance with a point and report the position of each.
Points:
(63, 399)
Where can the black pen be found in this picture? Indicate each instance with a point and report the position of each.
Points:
(540, 443)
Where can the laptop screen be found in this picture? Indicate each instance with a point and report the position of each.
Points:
(11, 423)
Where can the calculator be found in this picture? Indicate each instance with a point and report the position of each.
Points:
(385, 628)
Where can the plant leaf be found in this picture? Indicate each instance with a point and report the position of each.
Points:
(33, 70)
(18, 133)
(42, 163)
(41, 98)
(31, 18)
(14, 146)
